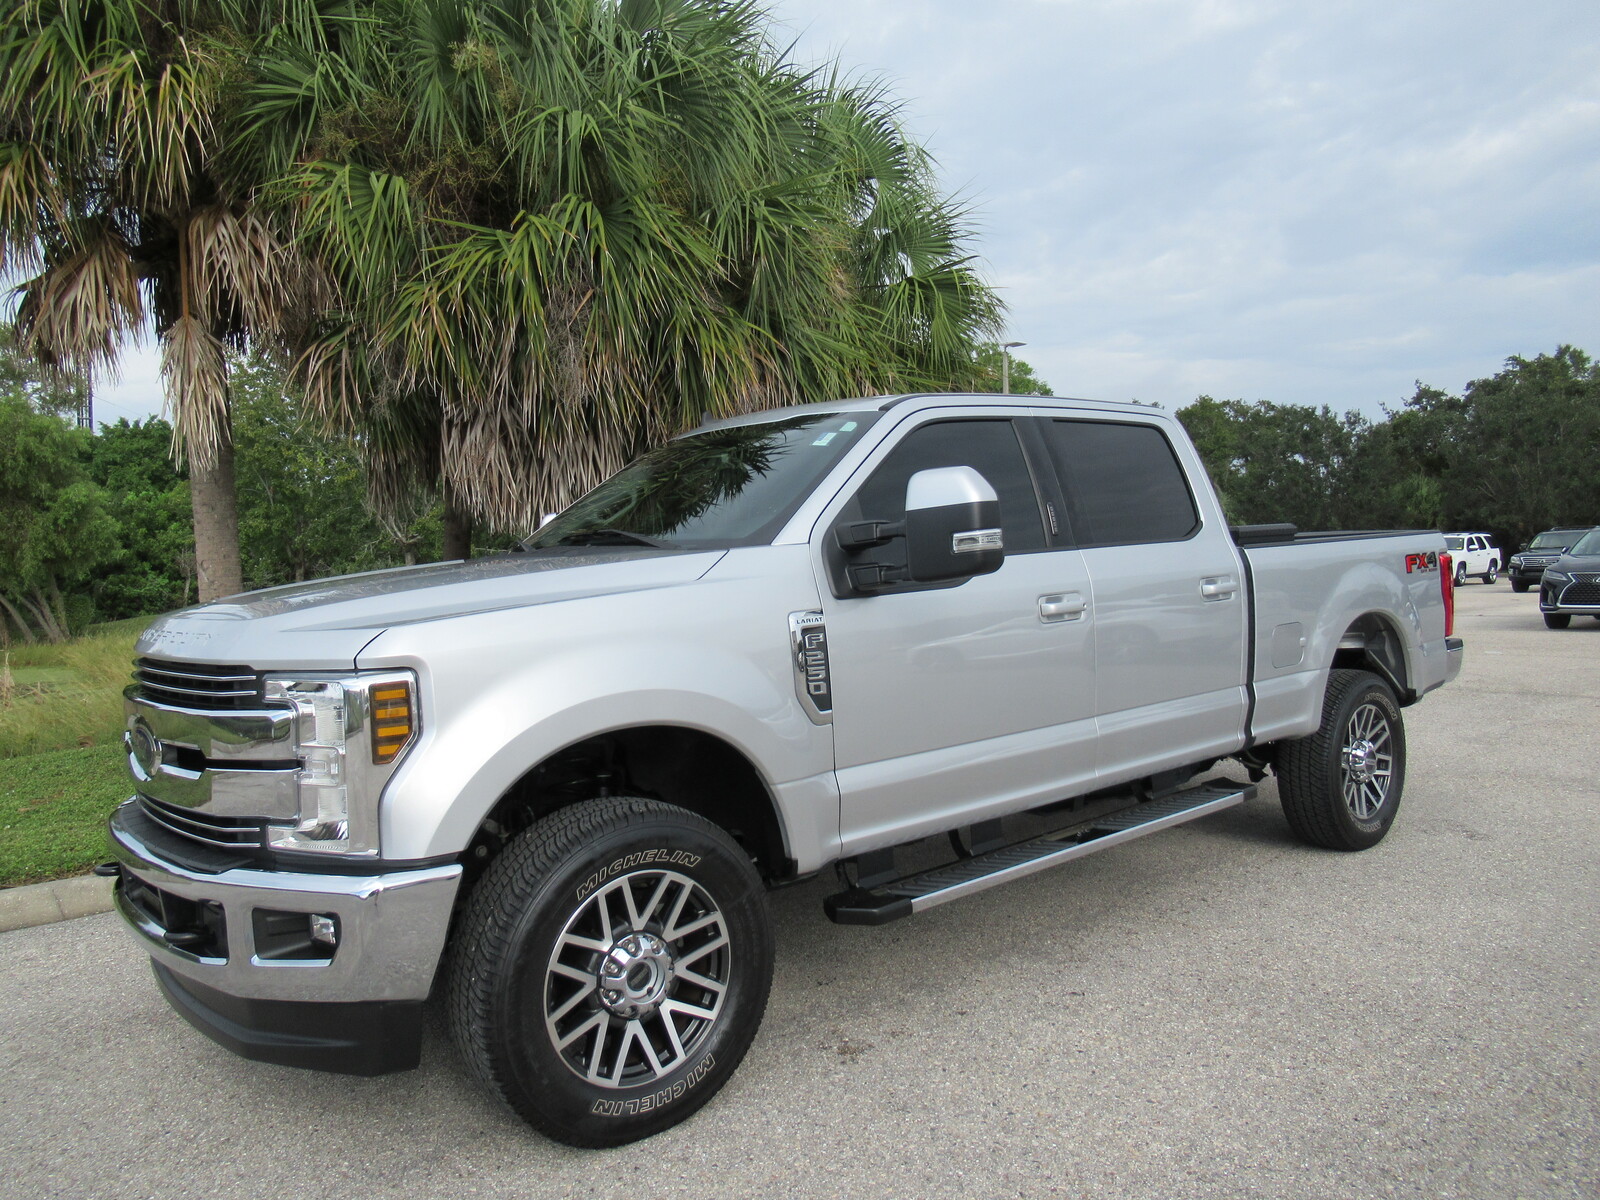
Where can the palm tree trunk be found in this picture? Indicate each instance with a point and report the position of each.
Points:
(216, 521)
(22, 625)
(457, 530)
(58, 606)
(37, 605)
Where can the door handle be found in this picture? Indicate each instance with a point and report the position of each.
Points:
(1218, 587)
(1066, 606)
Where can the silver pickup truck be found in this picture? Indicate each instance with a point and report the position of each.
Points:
(554, 786)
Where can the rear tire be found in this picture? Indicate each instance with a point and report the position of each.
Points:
(1340, 787)
(1492, 573)
(1557, 620)
(611, 969)
(1461, 574)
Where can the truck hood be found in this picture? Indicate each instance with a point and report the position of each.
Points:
(323, 624)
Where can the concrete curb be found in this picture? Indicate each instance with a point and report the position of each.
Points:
(58, 900)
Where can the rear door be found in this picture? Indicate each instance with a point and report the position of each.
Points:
(1167, 591)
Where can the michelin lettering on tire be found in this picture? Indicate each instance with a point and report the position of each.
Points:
(660, 1099)
(680, 858)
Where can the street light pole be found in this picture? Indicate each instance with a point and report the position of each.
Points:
(1005, 365)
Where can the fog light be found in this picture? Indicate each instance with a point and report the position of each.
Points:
(324, 929)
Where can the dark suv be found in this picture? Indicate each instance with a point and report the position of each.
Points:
(1527, 566)
(1571, 584)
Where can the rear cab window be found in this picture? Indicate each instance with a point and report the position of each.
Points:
(1124, 483)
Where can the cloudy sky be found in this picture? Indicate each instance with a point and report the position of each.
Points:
(1305, 202)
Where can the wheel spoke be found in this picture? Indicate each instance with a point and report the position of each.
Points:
(630, 1033)
(671, 1028)
(598, 1021)
(642, 918)
(583, 943)
(689, 1010)
(677, 934)
(571, 972)
(700, 952)
(603, 904)
(572, 1001)
(701, 981)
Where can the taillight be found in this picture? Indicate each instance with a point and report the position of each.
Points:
(1447, 585)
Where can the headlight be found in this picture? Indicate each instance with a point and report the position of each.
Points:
(1556, 576)
(350, 733)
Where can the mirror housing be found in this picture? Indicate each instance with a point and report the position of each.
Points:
(952, 525)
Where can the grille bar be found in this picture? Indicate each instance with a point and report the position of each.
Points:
(197, 685)
(231, 833)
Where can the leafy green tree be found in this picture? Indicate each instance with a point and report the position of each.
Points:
(47, 391)
(149, 498)
(303, 509)
(129, 192)
(1519, 455)
(564, 230)
(54, 525)
(988, 366)
(1275, 462)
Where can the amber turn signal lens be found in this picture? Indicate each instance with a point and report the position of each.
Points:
(392, 722)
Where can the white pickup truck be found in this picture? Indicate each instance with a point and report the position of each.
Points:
(553, 786)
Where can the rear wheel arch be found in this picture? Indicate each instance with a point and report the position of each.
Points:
(1372, 643)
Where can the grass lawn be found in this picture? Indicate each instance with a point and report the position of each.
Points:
(53, 809)
(61, 766)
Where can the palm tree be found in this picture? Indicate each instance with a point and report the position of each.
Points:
(561, 230)
(125, 198)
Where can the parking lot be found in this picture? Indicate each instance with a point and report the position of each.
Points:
(1216, 1011)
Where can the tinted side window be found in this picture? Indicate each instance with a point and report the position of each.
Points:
(988, 446)
(1126, 484)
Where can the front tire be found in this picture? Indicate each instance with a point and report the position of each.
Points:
(1340, 787)
(611, 969)
(1557, 620)
(1518, 585)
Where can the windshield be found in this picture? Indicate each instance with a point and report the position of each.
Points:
(1452, 543)
(1552, 541)
(728, 487)
(1589, 543)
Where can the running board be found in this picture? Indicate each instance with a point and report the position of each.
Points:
(916, 893)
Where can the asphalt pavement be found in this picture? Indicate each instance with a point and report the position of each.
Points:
(1215, 1011)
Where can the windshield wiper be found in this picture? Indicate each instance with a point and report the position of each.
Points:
(613, 537)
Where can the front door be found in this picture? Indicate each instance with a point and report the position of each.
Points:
(952, 704)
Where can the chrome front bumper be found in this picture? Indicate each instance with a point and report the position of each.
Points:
(391, 927)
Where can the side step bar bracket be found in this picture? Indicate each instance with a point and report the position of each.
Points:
(887, 902)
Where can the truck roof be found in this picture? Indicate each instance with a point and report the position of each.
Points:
(919, 400)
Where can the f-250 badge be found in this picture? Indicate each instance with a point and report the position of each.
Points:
(809, 640)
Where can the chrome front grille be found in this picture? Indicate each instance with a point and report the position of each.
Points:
(197, 685)
(233, 833)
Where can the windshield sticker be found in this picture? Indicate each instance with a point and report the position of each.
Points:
(848, 427)
(825, 439)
